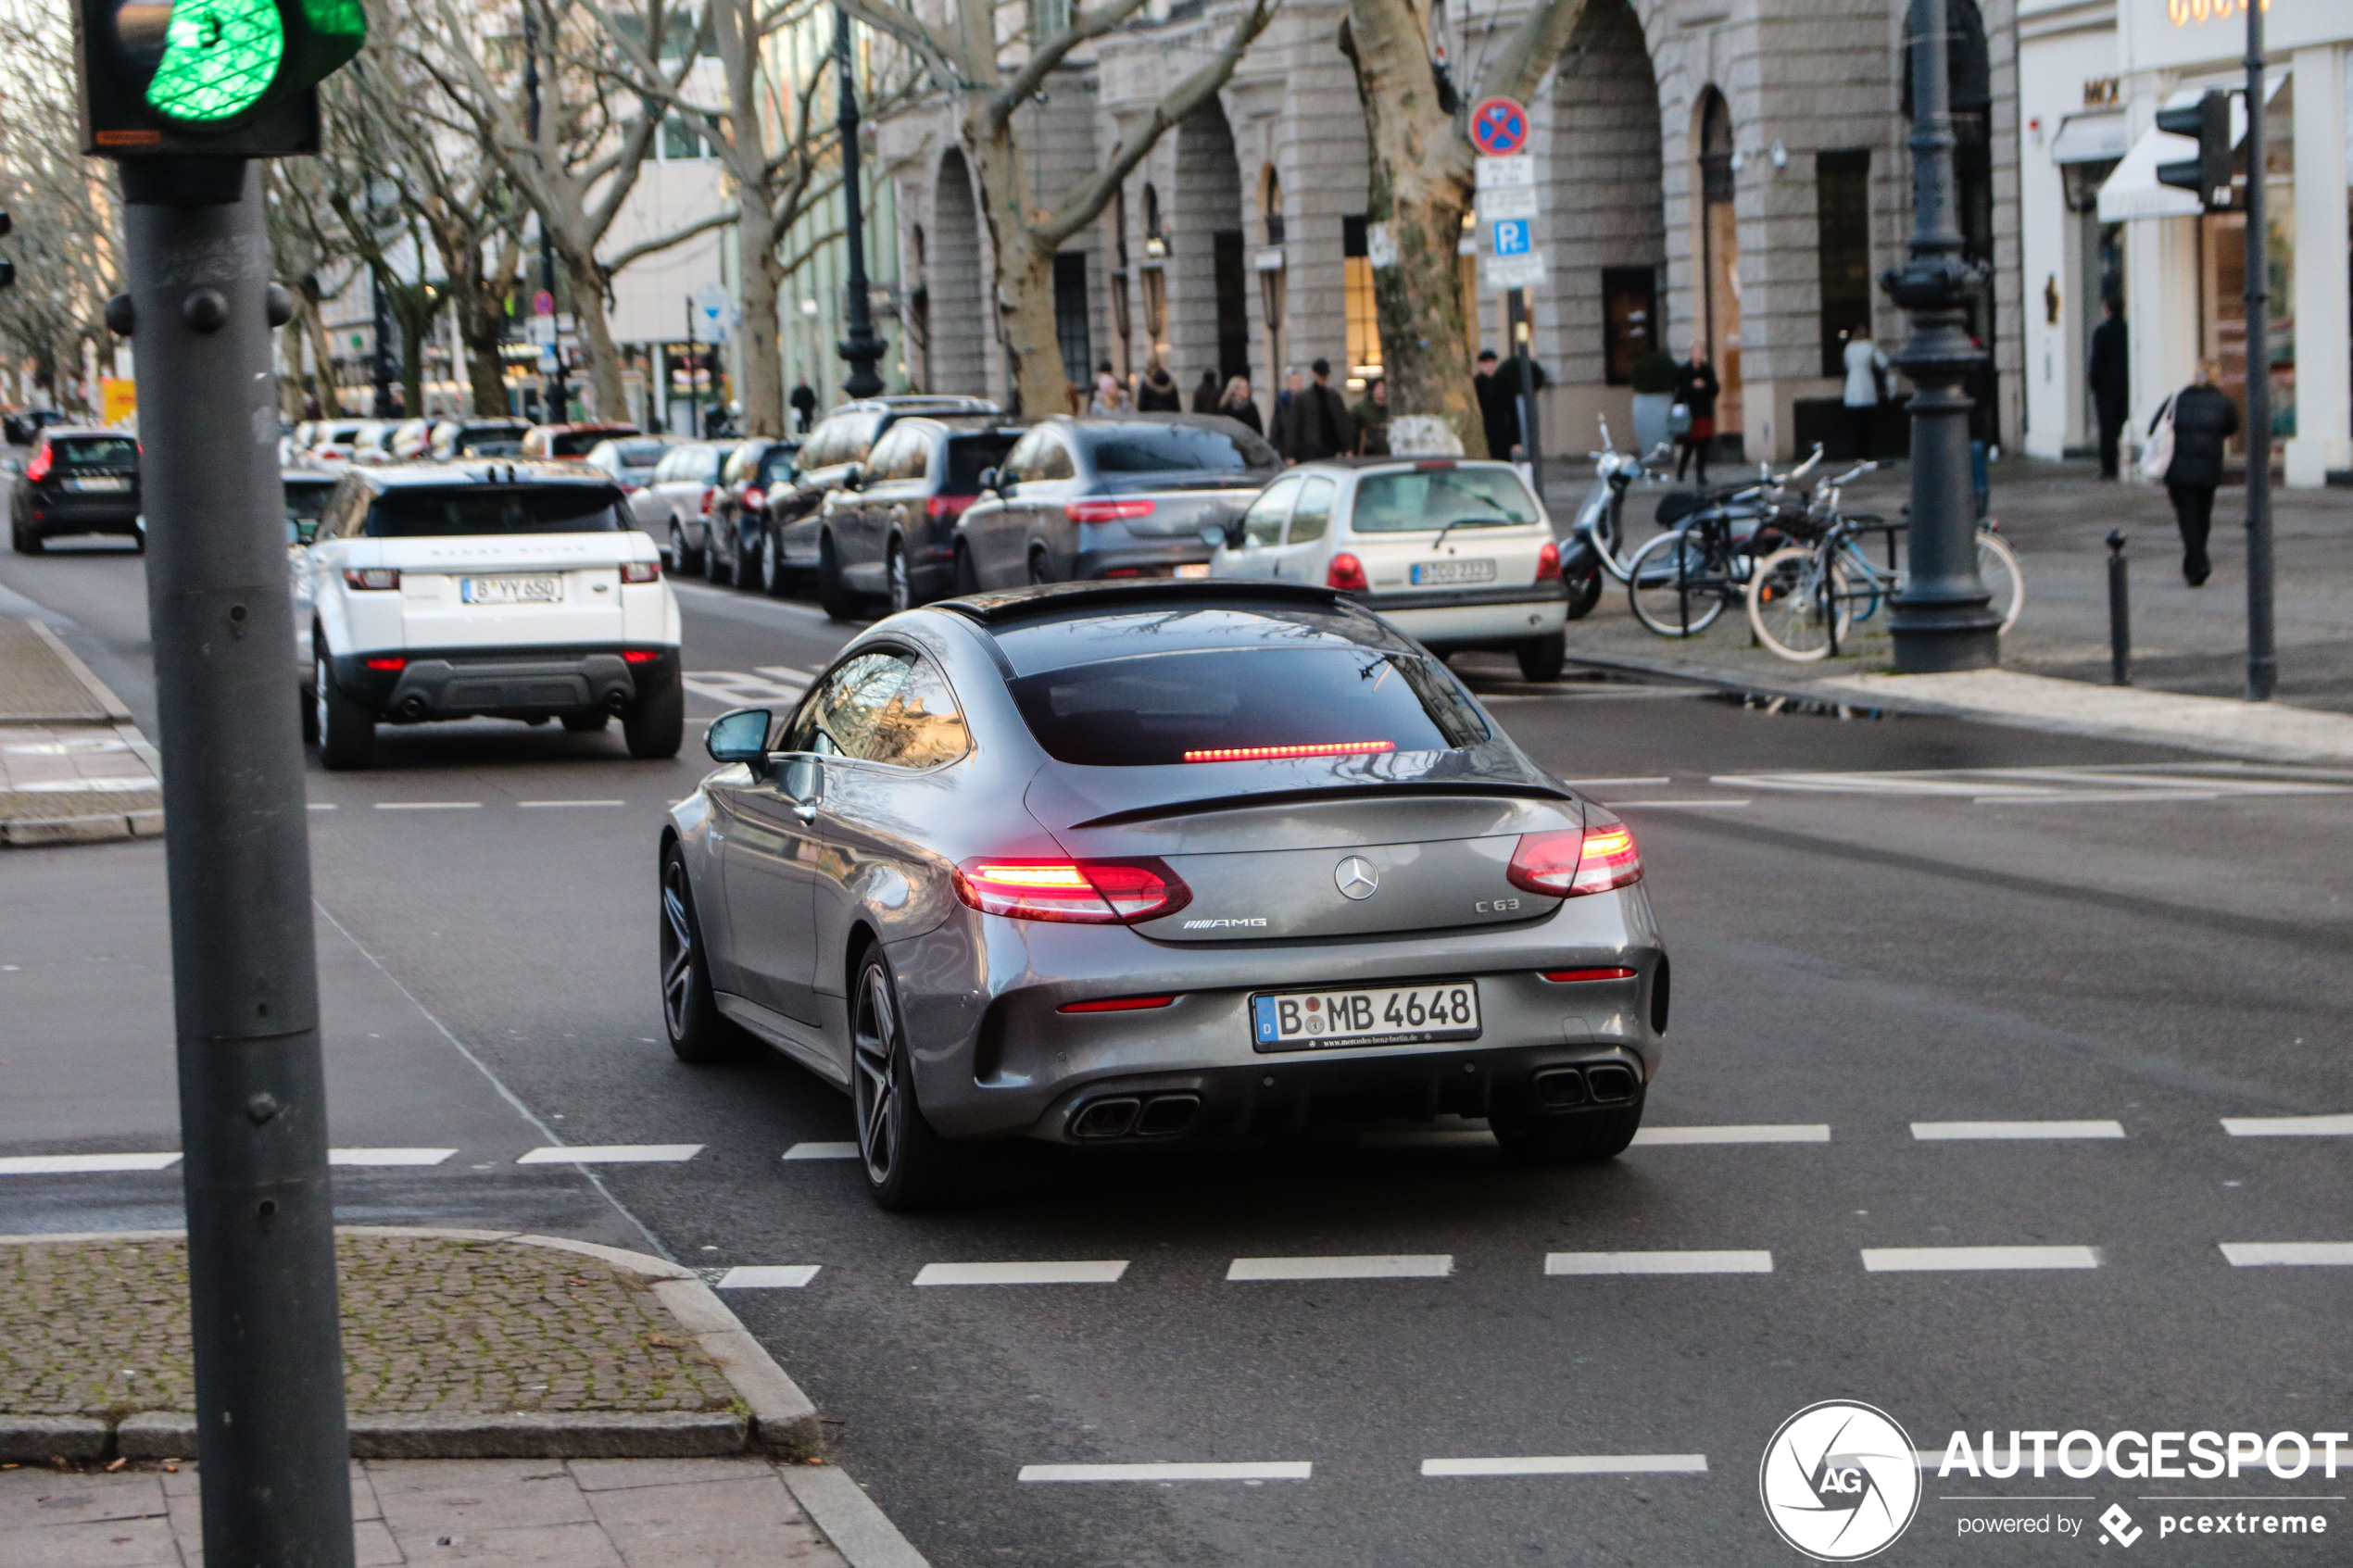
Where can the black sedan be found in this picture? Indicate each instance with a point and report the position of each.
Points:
(77, 481)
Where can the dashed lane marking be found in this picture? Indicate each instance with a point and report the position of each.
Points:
(1276, 1470)
(768, 1277)
(2128, 783)
(1101, 1271)
(1378, 1265)
(1614, 783)
(2288, 1126)
(1792, 1132)
(2268, 1254)
(1571, 1465)
(1679, 805)
(1938, 1132)
(557, 805)
(1658, 1262)
(822, 1151)
(613, 1154)
(1931, 1260)
(428, 805)
(364, 1156)
(82, 1164)
(320, 806)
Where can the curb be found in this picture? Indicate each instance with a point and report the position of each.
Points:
(849, 1517)
(36, 1439)
(110, 704)
(32, 832)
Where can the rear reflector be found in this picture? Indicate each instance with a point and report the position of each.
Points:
(755, 498)
(641, 572)
(1106, 511)
(638, 656)
(386, 663)
(1076, 891)
(1570, 976)
(1117, 1004)
(1346, 573)
(373, 578)
(1548, 561)
(1269, 753)
(1566, 864)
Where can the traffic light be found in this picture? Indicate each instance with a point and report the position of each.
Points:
(217, 78)
(2208, 176)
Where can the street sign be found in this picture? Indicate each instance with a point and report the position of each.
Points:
(1523, 271)
(1505, 174)
(711, 300)
(1507, 200)
(543, 304)
(1512, 237)
(1499, 127)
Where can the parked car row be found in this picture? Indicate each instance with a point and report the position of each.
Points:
(335, 445)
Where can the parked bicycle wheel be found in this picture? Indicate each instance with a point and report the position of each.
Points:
(1678, 584)
(1793, 601)
(1997, 568)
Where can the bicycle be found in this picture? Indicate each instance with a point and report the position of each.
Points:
(1680, 582)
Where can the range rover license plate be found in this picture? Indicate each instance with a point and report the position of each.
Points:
(1401, 1015)
(511, 590)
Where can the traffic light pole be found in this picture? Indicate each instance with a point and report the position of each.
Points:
(261, 1268)
(2262, 656)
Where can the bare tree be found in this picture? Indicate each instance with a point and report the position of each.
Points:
(1417, 133)
(986, 84)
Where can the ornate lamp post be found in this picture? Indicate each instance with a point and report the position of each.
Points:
(861, 348)
(1944, 620)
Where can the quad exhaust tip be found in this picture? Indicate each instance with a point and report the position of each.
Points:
(1122, 1116)
(1605, 1082)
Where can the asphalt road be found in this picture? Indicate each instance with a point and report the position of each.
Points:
(2094, 932)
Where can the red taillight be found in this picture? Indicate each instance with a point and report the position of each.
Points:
(710, 494)
(1118, 1004)
(42, 460)
(373, 579)
(638, 656)
(1566, 864)
(641, 572)
(1567, 977)
(385, 664)
(1078, 892)
(754, 499)
(1346, 573)
(1271, 753)
(945, 508)
(1105, 511)
(1548, 561)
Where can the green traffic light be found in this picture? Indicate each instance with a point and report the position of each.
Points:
(220, 57)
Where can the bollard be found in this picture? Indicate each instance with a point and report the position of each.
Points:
(2120, 613)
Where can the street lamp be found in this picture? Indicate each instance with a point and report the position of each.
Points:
(861, 347)
(1944, 620)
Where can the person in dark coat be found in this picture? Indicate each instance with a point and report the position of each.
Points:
(2203, 420)
(1158, 393)
(1238, 403)
(1316, 424)
(1695, 389)
(1496, 415)
(1371, 415)
(1206, 393)
(804, 404)
(2112, 378)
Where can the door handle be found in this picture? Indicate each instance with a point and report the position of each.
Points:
(806, 812)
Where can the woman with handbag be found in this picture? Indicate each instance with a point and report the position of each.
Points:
(1696, 390)
(1866, 364)
(2192, 428)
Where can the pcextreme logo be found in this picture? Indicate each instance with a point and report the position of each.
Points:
(1840, 1481)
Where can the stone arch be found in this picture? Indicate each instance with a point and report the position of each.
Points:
(959, 323)
(1208, 277)
(1608, 243)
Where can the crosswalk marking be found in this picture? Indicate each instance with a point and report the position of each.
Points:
(2288, 1126)
(741, 688)
(1380, 1265)
(1658, 1262)
(768, 1277)
(822, 1151)
(1935, 1132)
(1930, 1260)
(1571, 1465)
(2122, 784)
(1277, 1470)
(82, 1164)
(1792, 1132)
(388, 1155)
(2263, 1254)
(1105, 1271)
(613, 1154)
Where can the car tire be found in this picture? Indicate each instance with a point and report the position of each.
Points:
(682, 560)
(586, 723)
(30, 543)
(347, 729)
(714, 569)
(655, 725)
(1541, 657)
(774, 578)
(699, 1034)
(307, 706)
(1041, 573)
(907, 1164)
(1585, 1138)
(902, 586)
(139, 544)
(1584, 593)
(832, 594)
(968, 574)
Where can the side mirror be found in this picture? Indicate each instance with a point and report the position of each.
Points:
(1213, 536)
(988, 481)
(740, 736)
(854, 477)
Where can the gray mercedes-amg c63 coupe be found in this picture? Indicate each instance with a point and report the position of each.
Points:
(1110, 864)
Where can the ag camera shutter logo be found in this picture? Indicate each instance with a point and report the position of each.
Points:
(1840, 1481)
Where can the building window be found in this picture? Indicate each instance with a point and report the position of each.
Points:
(1070, 315)
(1630, 320)
(1364, 315)
(1842, 248)
(679, 142)
(1047, 18)
(1271, 203)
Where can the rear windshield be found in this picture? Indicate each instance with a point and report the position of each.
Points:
(639, 453)
(575, 443)
(421, 513)
(1167, 448)
(967, 454)
(305, 502)
(1428, 498)
(1207, 705)
(96, 452)
(775, 464)
(492, 442)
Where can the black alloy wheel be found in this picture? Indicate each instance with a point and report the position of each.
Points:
(907, 1164)
(832, 594)
(771, 564)
(1039, 572)
(903, 590)
(699, 1033)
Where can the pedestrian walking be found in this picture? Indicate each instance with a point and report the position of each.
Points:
(1496, 415)
(1864, 366)
(804, 404)
(1239, 405)
(2202, 419)
(2111, 381)
(1696, 390)
(1206, 393)
(1159, 394)
(1371, 416)
(1293, 387)
(1109, 398)
(1316, 424)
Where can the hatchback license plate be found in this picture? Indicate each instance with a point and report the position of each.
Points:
(99, 482)
(1401, 1015)
(1441, 572)
(510, 590)
(1192, 569)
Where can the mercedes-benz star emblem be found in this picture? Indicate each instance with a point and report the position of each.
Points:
(1356, 877)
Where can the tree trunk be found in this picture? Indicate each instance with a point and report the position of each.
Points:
(603, 360)
(322, 348)
(762, 393)
(1024, 273)
(415, 315)
(1421, 186)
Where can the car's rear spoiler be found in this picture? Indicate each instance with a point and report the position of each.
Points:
(1006, 606)
(1389, 790)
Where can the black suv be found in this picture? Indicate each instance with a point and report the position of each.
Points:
(832, 454)
(892, 526)
(736, 547)
(77, 481)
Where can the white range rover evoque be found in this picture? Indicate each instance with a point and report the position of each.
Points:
(508, 590)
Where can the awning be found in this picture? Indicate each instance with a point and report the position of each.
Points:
(2090, 138)
(2133, 190)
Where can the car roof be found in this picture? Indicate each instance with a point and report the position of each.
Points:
(1403, 465)
(1059, 625)
(917, 403)
(319, 477)
(67, 432)
(498, 471)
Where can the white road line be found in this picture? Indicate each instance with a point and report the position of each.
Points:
(553, 805)
(1679, 805)
(1101, 1271)
(785, 674)
(1273, 1470)
(1572, 1464)
(2288, 1126)
(1610, 783)
(1928, 1260)
(82, 1164)
(768, 1277)
(428, 805)
(822, 1151)
(1658, 1262)
(2097, 798)
(1936, 1131)
(320, 806)
(388, 1155)
(1791, 1133)
(613, 1154)
(1377, 1265)
(2263, 1254)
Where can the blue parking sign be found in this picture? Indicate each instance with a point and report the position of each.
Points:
(1512, 237)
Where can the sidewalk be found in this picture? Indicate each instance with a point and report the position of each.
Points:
(73, 768)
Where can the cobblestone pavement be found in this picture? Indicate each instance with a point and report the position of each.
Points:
(100, 1328)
